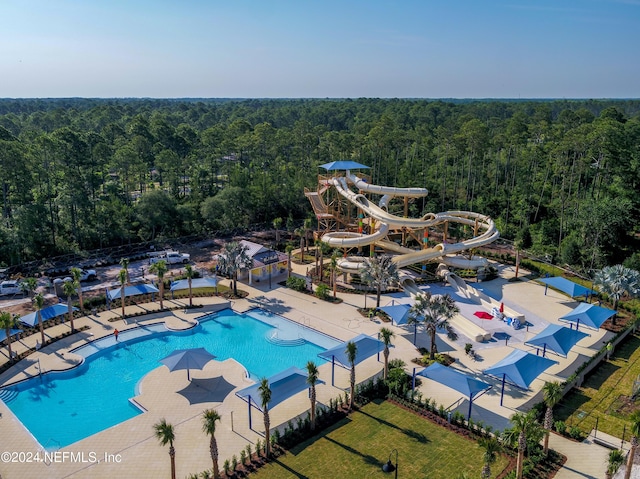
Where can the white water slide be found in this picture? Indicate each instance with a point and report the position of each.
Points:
(385, 221)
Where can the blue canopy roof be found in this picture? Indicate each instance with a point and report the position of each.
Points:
(366, 347)
(12, 332)
(283, 385)
(49, 312)
(399, 313)
(134, 290)
(195, 283)
(556, 338)
(467, 385)
(343, 165)
(566, 286)
(520, 368)
(589, 315)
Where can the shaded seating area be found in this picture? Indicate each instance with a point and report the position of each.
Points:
(589, 315)
(556, 338)
(50, 312)
(183, 284)
(568, 287)
(520, 368)
(399, 313)
(471, 387)
(129, 291)
(366, 347)
(283, 385)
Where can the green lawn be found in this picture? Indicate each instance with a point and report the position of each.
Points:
(358, 446)
(601, 395)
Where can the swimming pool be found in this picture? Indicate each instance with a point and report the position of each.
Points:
(62, 408)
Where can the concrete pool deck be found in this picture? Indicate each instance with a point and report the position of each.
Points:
(134, 451)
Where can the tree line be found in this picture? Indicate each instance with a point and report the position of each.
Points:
(560, 177)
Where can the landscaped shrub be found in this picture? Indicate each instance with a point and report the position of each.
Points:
(296, 283)
(322, 291)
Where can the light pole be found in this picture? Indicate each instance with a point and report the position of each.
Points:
(388, 467)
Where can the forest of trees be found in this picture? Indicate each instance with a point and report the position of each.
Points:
(561, 177)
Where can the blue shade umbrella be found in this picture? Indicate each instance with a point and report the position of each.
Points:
(520, 368)
(467, 385)
(195, 358)
(557, 339)
(590, 315)
(12, 332)
(399, 313)
(566, 286)
(344, 165)
(283, 385)
(366, 347)
(49, 312)
(195, 283)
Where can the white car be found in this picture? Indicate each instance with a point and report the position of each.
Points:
(171, 257)
(85, 275)
(10, 287)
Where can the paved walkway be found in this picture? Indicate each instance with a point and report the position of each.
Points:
(164, 395)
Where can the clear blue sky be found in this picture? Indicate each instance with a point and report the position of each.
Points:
(320, 48)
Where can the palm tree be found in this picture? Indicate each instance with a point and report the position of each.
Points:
(76, 274)
(301, 233)
(552, 393)
(265, 398)
(29, 286)
(334, 270)
(386, 335)
(312, 379)
(308, 222)
(525, 431)
(124, 262)
(69, 288)
(233, 259)
(8, 322)
(635, 430)
(277, 223)
(491, 448)
(617, 281)
(209, 419)
(381, 272)
(166, 435)
(38, 302)
(615, 460)
(436, 310)
(189, 273)
(159, 269)
(122, 277)
(289, 250)
(352, 352)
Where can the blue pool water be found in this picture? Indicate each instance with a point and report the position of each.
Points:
(62, 408)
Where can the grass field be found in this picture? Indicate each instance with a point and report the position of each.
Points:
(358, 446)
(605, 392)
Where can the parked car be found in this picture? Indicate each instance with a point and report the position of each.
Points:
(85, 275)
(171, 257)
(10, 288)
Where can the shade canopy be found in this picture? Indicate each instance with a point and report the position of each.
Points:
(344, 165)
(283, 385)
(520, 368)
(49, 312)
(399, 313)
(366, 347)
(195, 358)
(464, 384)
(12, 332)
(566, 286)
(195, 283)
(133, 290)
(556, 338)
(589, 315)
